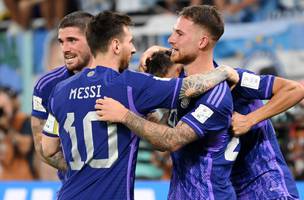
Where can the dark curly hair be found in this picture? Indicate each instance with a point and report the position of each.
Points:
(159, 63)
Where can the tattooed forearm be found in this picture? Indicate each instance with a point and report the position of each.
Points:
(161, 137)
(57, 161)
(37, 126)
(197, 84)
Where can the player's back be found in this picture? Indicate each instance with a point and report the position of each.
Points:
(101, 156)
(260, 171)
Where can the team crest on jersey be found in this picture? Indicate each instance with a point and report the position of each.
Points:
(202, 113)
(90, 74)
(250, 81)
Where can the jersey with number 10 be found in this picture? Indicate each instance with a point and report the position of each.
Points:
(101, 156)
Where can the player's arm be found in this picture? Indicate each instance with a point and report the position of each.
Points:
(161, 137)
(51, 150)
(37, 126)
(197, 84)
(285, 94)
(50, 144)
(56, 160)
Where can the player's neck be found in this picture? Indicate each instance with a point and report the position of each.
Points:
(105, 60)
(90, 64)
(202, 64)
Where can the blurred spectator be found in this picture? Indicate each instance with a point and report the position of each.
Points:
(95, 6)
(245, 10)
(134, 6)
(291, 5)
(170, 6)
(296, 146)
(14, 146)
(295, 152)
(22, 11)
(3, 12)
(10, 77)
(200, 2)
(22, 125)
(52, 56)
(269, 70)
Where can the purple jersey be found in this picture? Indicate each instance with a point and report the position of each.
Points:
(43, 89)
(201, 170)
(101, 156)
(42, 92)
(260, 171)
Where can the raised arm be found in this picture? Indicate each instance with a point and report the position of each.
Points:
(197, 84)
(161, 137)
(286, 93)
(56, 160)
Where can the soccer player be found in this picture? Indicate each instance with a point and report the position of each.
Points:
(260, 171)
(76, 52)
(101, 156)
(201, 154)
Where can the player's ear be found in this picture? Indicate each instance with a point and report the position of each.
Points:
(203, 42)
(116, 47)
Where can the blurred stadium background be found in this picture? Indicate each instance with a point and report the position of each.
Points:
(265, 37)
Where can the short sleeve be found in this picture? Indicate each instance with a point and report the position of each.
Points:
(211, 113)
(39, 104)
(43, 88)
(149, 92)
(252, 86)
(51, 127)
